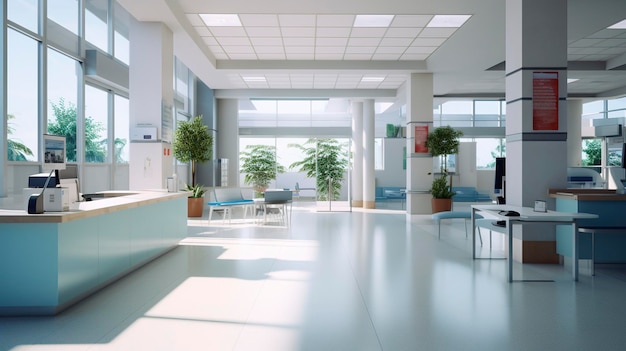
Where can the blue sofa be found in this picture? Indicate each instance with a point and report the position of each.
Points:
(384, 193)
(469, 194)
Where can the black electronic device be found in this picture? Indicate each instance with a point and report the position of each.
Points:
(500, 174)
(38, 180)
(509, 213)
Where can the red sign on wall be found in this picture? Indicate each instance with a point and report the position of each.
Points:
(421, 133)
(545, 101)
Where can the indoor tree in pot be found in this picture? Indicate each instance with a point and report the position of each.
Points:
(443, 141)
(259, 164)
(193, 143)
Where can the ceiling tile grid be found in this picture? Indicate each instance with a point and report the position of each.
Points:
(321, 37)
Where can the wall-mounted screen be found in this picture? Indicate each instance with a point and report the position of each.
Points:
(53, 152)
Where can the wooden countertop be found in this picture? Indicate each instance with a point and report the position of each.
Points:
(113, 201)
(586, 194)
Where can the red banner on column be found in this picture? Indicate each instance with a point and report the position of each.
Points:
(421, 133)
(545, 101)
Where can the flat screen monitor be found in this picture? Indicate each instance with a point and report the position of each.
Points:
(54, 149)
(624, 155)
(500, 174)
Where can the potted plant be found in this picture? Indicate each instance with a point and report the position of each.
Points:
(259, 164)
(193, 143)
(443, 141)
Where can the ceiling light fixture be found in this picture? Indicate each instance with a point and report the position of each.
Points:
(220, 20)
(373, 20)
(372, 79)
(254, 79)
(619, 25)
(571, 80)
(447, 21)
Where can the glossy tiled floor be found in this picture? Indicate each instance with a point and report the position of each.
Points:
(366, 280)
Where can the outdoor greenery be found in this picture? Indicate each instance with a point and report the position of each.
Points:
(193, 143)
(593, 152)
(16, 150)
(260, 166)
(325, 159)
(443, 141)
(65, 124)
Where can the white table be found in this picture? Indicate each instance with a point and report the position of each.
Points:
(528, 215)
(264, 205)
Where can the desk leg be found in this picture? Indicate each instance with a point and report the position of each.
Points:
(575, 248)
(509, 226)
(473, 218)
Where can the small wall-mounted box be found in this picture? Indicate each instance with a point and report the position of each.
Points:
(143, 133)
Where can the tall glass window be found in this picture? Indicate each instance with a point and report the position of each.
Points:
(122, 127)
(96, 122)
(487, 149)
(63, 99)
(121, 26)
(25, 13)
(64, 13)
(22, 97)
(96, 27)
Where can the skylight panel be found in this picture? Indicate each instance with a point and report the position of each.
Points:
(373, 20)
(447, 21)
(220, 20)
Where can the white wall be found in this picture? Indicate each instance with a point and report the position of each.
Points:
(393, 174)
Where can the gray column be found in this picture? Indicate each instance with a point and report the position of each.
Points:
(227, 136)
(151, 95)
(419, 113)
(536, 133)
(3, 99)
(574, 132)
(357, 153)
(369, 180)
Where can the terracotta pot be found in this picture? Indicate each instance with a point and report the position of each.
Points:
(441, 205)
(195, 206)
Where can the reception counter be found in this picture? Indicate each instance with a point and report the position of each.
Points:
(49, 261)
(611, 209)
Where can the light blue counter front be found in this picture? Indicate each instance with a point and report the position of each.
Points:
(609, 248)
(45, 267)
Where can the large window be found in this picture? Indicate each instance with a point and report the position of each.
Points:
(63, 99)
(22, 97)
(122, 127)
(487, 113)
(64, 13)
(96, 27)
(293, 113)
(25, 13)
(122, 29)
(96, 122)
(487, 149)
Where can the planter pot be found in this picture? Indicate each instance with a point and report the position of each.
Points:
(441, 205)
(195, 206)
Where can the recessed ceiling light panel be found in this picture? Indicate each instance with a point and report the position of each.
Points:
(447, 21)
(220, 20)
(619, 25)
(372, 79)
(373, 20)
(571, 80)
(255, 79)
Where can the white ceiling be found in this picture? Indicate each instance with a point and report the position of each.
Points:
(312, 48)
